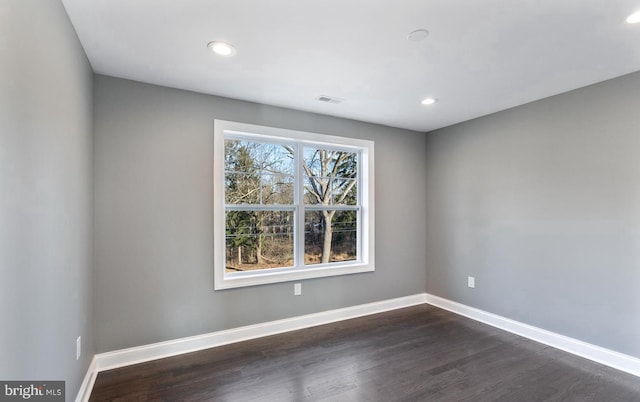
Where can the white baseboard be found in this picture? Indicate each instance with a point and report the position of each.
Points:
(87, 384)
(598, 354)
(140, 354)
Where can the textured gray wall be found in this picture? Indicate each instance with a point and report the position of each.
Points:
(154, 224)
(46, 195)
(541, 203)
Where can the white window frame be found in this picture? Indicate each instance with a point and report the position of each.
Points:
(366, 227)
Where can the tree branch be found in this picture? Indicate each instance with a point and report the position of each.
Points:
(346, 191)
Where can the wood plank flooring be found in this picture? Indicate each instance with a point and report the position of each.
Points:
(419, 353)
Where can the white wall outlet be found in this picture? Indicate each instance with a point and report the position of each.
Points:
(78, 347)
(471, 282)
(297, 289)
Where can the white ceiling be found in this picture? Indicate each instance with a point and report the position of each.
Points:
(480, 57)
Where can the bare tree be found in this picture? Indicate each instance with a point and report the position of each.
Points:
(331, 177)
(255, 174)
(261, 174)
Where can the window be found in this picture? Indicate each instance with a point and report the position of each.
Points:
(290, 205)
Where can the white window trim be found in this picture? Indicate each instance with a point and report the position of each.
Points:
(367, 232)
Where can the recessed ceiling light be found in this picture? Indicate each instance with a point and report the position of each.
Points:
(634, 18)
(222, 48)
(418, 35)
(429, 101)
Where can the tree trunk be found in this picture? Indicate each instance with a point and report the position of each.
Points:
(259, 258)
(239, 255)
(328, 235)
(260, 241)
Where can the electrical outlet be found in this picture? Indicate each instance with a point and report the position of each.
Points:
(471, 282)
(78, 347)
(297, 289)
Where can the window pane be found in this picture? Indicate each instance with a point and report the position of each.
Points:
(258, 173)
(330, 191)
(330, 236)
(242, 188)
(259, 240)
(317, 190)
(240, 156)
(249, 156)
(345, 192)
(330, 163)
(276, 158)
(329, 176)
(277, 189)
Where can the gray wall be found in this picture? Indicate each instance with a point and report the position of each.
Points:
(541, 204)
(46, 195)
(154, 223)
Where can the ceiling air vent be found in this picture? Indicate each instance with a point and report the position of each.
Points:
(329, 99)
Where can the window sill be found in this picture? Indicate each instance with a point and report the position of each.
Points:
(263, 278)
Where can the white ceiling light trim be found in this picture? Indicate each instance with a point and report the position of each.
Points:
(418, 35)
(429, 101)
(222, 48)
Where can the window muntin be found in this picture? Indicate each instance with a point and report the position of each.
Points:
(296, 205)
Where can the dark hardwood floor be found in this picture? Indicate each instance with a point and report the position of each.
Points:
(419, 353)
